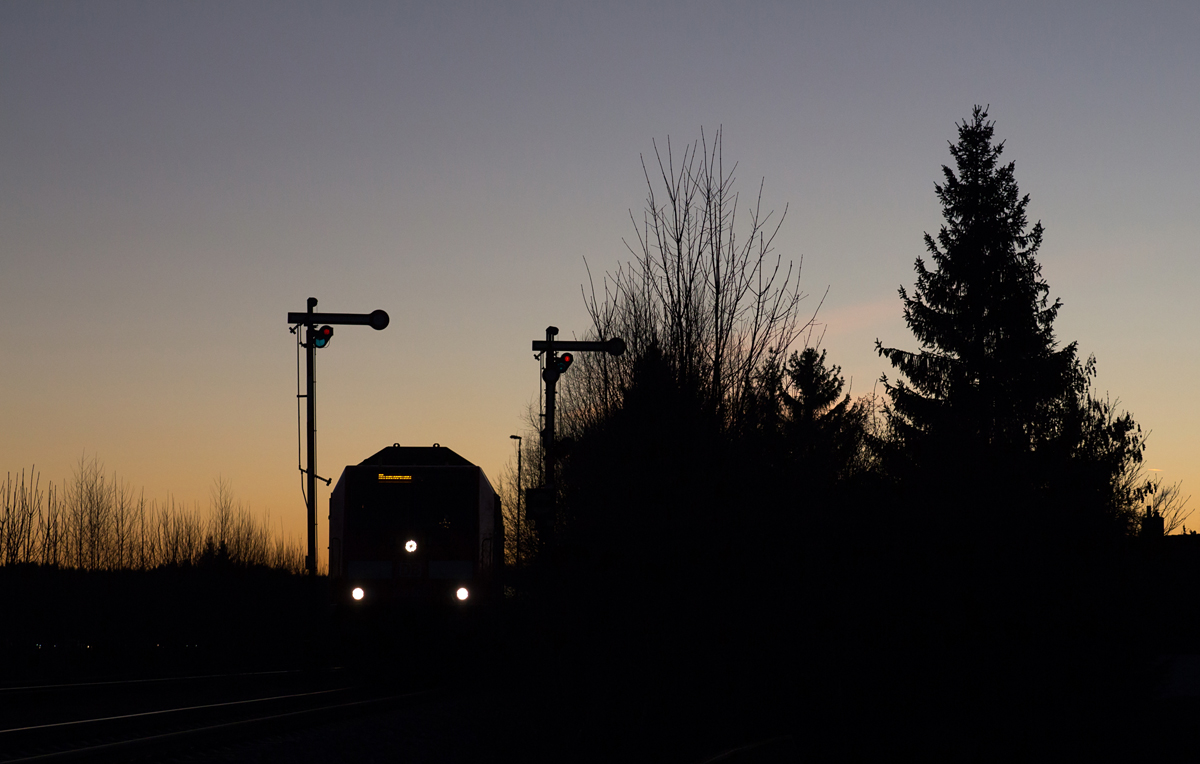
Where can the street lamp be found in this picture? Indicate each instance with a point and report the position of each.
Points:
(519, 491)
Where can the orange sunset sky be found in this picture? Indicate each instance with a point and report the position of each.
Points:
(176, 177)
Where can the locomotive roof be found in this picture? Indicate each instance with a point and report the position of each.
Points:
(416, 456)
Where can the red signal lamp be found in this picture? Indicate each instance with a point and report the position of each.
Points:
(321, 337)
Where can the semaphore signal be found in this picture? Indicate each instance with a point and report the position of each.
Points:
(540, 501)
(319, 338)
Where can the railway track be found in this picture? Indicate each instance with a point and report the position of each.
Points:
(293, 716)
(157, 719)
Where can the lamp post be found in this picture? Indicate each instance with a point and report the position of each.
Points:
(519, 492)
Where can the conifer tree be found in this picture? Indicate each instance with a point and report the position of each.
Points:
(991, 391)
(989, 370)
(815, 386)
(823, 434)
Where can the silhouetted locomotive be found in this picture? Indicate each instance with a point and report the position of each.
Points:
(415, 524)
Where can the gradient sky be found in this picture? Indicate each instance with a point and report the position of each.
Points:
(176, 177)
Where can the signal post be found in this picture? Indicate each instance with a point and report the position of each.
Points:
(541, 500)
(315, 338)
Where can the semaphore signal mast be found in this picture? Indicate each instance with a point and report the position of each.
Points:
(315, 338)
(539, 502)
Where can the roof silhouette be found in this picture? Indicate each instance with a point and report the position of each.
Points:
(416, 456)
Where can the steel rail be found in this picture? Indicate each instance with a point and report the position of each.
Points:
(170, 711)
(730, 753)
(26, 687)
(119, 747)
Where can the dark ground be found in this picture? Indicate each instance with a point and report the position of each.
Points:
(855, 667)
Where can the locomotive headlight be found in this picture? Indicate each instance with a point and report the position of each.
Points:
(357, 593)
(410, 546)
(462, 593)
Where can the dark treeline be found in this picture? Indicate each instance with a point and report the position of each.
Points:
(96, 521)
(741, 548)
(73, 625)
(96, 581)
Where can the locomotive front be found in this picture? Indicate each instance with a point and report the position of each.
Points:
(415, 524)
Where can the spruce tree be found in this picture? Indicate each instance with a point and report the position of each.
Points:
(823, 434)
(989, 373)
(991, 398)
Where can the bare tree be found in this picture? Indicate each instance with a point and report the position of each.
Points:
(222, 516)
(520, 541)
(19, 516)
(50, 529)
(122, 525)
(705, 288)
(96, 522)
(89, 507)
(145, 555)
(1169, 503)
